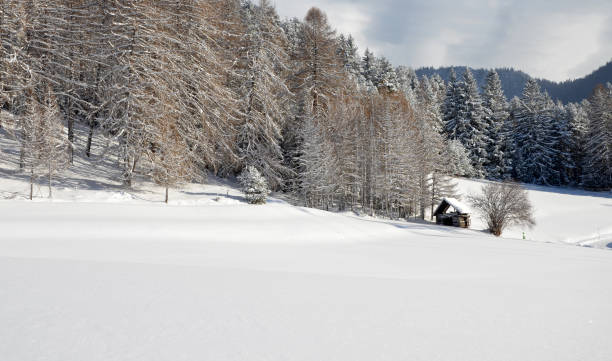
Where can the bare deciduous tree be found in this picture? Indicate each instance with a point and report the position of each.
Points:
(503, 205)
(46, 149)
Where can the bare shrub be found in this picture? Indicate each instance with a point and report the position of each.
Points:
(503, 205)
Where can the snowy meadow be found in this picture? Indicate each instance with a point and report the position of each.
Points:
(203, 180)
(103, 273)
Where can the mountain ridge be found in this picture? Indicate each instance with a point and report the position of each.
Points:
(513, 81)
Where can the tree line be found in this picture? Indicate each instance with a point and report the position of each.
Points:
(181, 89)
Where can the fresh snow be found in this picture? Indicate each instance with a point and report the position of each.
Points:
(459, 207)
(563, 215)
(102, 273)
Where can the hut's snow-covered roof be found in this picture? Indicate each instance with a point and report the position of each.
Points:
(459, 207)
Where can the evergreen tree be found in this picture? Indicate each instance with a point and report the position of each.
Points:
(371, 69)
(454, 90)
(509, 142)
(535, 154)
(348, 54)
(406, 78)
(578, 120)
(429, 104)
(464, 119)
(456, 159)
(475, 139)
(598, 158)
(387, 77)
(254, 185)
(562, 134)
(496, 112)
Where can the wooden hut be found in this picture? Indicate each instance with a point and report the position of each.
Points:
(460, 217)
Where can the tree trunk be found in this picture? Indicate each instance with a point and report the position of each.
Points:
(22, 158)
(32, 183)
(433, 196)
(71, 131)
(89, 139)
(50, 193)
(166, 195)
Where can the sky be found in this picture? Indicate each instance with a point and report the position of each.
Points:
(550, 39)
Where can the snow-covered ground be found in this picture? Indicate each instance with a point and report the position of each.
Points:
(563, 215)
(101, 273)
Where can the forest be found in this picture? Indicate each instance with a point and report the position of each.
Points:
(184, 89)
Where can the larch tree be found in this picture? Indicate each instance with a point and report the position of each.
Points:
(315, 82)
(320, 69)
(172, 163)
(46, 147)
(264, 96)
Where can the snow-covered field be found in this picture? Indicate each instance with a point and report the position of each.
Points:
(563, 215)
(101, 273)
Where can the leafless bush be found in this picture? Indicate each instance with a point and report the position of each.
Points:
(503, 205)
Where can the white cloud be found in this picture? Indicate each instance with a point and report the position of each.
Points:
(345, 16)
(553, 40)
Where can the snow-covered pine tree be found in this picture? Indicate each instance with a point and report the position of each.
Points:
(578, 120)
(264, 96)
(456, 159)
(370, 66)
(430, 104)
(562, 134)
(471, 112)
(349, 57)
(535, 152)
(46, 149)
(388, 77)
(407, 78)
(464, 119)
(254, 185)
(496, 112)
(509, 142)
(450, 117)
(439, 87)
(598, 158)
